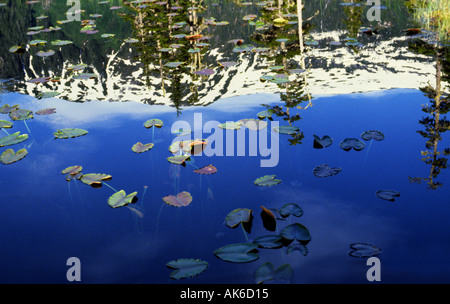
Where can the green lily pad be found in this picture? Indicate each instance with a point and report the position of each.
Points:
(269, 241)
(388, 195)
(140, 148)
(61, 42)
(349, 143)
(13, 139)
(5, 124)
(291, 209)
(287, 130)
(182, 199)
(237, 216)
(95, 179)
(325, 171)
(174, 64)
(178, 159)
(181, 132)
(267, 272)
(186, 268)
(45, 54)
(9, 156)
(108, 35)
(296, 231)
(372, 134)
(253, 124)
(267, 181)
(121, 199)
(230, 125)
(265, 114)
(6, 109)
(72, 170)
(237, 253)
(323, 142)
(21, 114)
(70, 133)
(153, 122)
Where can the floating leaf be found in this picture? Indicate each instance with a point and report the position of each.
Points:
(230, 125)
(325, 171)
(267, 272)
(5, 124)
(267, 180)
(178, 159)
(174, 64)
(46, 111)
(120, 199)
(94, 179)
(226, 64)
(372, 134)
(40, 80)
(237, 253)
(349, 143)
(69, 133)
(140, 148)
(108, 35)
(204, 72)
(181, 200)
(299, 247)
(265, 114)
(268, 219)
(43, 95)
(323, 142)
(45, 54)
(85, 76)
(253, 124)
(6, 109)
(61, 42)
(9, 156)
(296, 231)
(210, 169)
(237, 216)
(21, 114)
(269, 241)
(186, 268)
(13, 139)
(181, 132)
(72, 170)
(388, 195)
(362, 250)
(291, 209)
(287, 130)
(153, 122)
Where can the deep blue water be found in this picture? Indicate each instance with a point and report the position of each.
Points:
(46, 220)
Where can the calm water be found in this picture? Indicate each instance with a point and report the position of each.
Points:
(378, 85)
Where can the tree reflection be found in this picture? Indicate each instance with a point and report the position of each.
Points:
(435, 124)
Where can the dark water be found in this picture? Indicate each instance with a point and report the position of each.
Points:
(46, 219)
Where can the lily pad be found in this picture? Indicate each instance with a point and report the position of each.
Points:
(186, 268)
(323, 142)
(372, 134)
(204, 72)
(362, 250)
(269, 241)
(182, 199)
(254, 124)
(13, 139)
(352, 143)
(69, 133)
(5, 124)
(291, 209)
(325, 171)
(265, 114)
(72, 170)
(140, 148)
(61, 42)
(95, 179)
(174, 64)
(46, 111)
(153, 122)
(287, 130)
(267, 272)
(267, 181)
(45, 54)
(388, 195)
(297, 247)
(21, 114)
(297, 232)
(178, 159)
(9, 156)
(268, 218)
(237, 253)
(230, 125)
(237, 216)
(121, 199)
(210, 169)
(6, 109)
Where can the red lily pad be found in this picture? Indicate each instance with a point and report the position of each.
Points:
(210, 169)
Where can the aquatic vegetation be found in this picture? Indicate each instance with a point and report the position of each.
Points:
(47, 111)
(209, 169)
(287, 130)
(182, 199)
(269, 241)
(13, 139)
(237, 253)
(352, 143)
(267, 181)
(140, 147)
(186, 268)
(120, 199)
(267, 272)
(70, 133)
(9, 156)
(297, 232)
(325, 171)
(388, 195)
(372, 134)
(291, 209)
(362, 250)
(238, 216)
(153, 122)
(320, 143)
(95, 179)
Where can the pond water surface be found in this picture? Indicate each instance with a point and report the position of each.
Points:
(385, 82)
